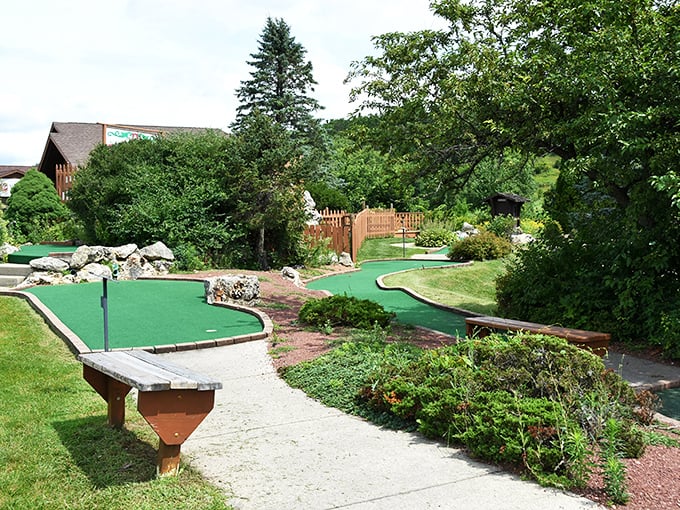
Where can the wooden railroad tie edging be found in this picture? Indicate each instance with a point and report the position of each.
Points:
(593, 341)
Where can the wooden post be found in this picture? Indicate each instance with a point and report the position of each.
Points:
(116, 393)
(168, 458)
(112, 391)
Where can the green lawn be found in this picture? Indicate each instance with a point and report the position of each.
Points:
(471, 288)
(56, 450)
(387, 248)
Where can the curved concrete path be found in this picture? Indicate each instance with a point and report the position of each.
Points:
(272, 447)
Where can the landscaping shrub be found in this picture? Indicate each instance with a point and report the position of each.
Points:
(530, 400)
(344, 311)
(502, 225)
(533, 401)
(433, 235)
(483, 246)
(34, 207)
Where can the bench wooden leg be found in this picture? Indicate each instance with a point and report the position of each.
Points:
(168, 458)
(174, 415)
(112, 391)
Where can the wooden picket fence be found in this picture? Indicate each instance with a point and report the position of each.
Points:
(64, 180)
(347, 231)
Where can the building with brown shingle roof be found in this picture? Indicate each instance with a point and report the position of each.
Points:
(9, 176)
(69, 145)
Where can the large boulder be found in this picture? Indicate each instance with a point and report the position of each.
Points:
(293, 275)
(94, 272)
(7, 249)
(123, 252)
(49, 264)
(157, 251)
(87, 254)
(231, 288)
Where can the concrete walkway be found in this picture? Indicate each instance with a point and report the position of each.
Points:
(272, 447)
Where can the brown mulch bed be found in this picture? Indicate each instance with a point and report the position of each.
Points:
(653, 480)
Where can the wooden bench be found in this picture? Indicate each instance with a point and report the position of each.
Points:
(594, 341)
(172, 399)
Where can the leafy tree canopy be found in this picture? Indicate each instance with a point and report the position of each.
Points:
(267, 172)
(595, 83)
(201, 194)
(592, 82)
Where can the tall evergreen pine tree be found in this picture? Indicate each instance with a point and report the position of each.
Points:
(279, 85)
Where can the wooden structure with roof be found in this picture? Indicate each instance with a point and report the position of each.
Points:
(69, 145)
(503, 204)
(9, 176)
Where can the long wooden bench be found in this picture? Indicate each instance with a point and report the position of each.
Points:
(594, 341)
(172, 399)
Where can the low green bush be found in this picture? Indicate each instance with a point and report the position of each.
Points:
(434, 234)
(483, 246)
(343, 310)
(502, 225)
(533, 401)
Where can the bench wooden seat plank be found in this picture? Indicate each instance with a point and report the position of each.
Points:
(130, 370)
(202, 382)
(146, 372)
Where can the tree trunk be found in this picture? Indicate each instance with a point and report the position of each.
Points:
(261, 253)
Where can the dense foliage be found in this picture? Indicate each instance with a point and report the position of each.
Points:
(434, 234)
(33, 207)
(483, 246)
(532, 401)
(206, 196)
(343, 310)
(594, 83)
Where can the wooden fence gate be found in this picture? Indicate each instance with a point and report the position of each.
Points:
(347, 231)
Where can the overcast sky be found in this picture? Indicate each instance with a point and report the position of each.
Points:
(168, 62)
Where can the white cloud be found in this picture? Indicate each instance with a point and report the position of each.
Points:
(168, 62)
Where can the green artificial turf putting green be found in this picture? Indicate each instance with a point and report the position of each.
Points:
(409, 310)
(35, 251)
(144, 313)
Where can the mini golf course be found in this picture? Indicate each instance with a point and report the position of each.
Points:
(144, 313)
(409, 310)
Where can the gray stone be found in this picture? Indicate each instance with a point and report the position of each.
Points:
(162, 266)
(94, 272)
(7, 249)
(48, 264)
(313, 216)
(157, 251)
(80, 257)
(293, 275)
(230, 288)
(88, 254)
(123, 252)
(522, 238)
(345, 260)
